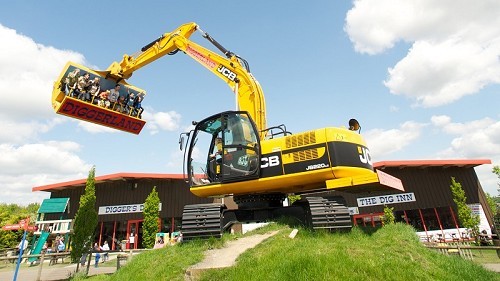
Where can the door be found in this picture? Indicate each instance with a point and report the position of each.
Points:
(224, 148)
(134, 234)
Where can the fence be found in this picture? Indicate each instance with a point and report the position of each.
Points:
(40, 260)
(463, 249)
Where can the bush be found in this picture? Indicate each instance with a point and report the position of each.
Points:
(388, 217)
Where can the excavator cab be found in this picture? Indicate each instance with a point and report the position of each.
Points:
(86, 94)
(223, 148)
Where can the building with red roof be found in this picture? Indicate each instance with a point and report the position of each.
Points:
(426, 202)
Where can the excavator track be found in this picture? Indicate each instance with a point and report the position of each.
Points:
(202, 221)
(328, 214)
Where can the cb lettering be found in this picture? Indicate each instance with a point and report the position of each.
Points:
(269, 161)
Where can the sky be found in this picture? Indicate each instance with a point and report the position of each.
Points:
(422, 78)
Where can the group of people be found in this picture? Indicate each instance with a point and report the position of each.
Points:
(89, 90)
(56, 246)
(100, 251)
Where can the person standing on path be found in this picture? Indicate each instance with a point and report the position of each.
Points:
(97, 249)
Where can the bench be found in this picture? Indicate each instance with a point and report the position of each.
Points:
(55, 256)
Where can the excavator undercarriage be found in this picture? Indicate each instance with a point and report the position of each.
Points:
(212, 220)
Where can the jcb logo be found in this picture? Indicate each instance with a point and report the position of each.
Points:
(269, 161)
(226, 72)
(364, 155)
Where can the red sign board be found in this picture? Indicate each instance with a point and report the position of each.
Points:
(11, 227)
(23, 224)
(95, 114)
(18, 226)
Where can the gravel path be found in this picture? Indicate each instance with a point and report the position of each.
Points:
(226, 257)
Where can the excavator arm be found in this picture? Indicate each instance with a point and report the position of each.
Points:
(232, 69)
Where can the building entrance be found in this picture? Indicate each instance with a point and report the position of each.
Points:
(134, 234)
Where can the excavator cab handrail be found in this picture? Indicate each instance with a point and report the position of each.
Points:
(270, 134)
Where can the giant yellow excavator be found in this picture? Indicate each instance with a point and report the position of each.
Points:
(235, 153)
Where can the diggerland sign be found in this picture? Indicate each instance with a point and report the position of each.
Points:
(95, 114)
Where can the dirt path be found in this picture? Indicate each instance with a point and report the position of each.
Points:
(226, 257)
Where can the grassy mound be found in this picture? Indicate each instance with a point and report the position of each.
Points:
(390, 253)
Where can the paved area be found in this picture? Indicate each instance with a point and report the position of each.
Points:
(54, 273)
(226, 257)
(492, 266)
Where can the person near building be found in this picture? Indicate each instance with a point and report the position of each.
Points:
(105, 249)
(483, 238)
(60, 245)
(131, 240)
(23, 246)
(97, 250)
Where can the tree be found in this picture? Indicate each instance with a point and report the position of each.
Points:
(496, 170)
(12, 214)
(388, 217)
(85, 220)
(150, 225)
(491, 202)
(465, 216)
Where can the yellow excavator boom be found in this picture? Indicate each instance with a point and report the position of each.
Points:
(231, 69)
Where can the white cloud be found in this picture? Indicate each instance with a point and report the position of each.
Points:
(12, 131)
(176, 161)
(441, 73)
(393, 108)
(477, 139)
(29, 165)
(455, 45)
(474, 139)
(156, 121)
(94, 128)
(27, 74)
(383, 143)
(489, 181)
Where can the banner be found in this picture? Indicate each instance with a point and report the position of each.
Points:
(122, 209)
(386, 199)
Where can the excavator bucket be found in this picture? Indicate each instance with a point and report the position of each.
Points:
(86, 94)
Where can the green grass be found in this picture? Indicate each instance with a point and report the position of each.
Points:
(169, 263)
(390, 253)
(485, 256)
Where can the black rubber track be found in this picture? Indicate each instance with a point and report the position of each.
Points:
(202, 221)
(328, 214)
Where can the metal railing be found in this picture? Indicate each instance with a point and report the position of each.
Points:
(54, 226)
(463, 249)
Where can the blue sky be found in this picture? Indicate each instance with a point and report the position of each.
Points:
(421, 77)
